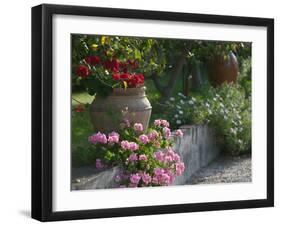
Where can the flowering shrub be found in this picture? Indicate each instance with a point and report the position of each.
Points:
(102, 75)
(226, 109)
(106, 65)
(145, 158)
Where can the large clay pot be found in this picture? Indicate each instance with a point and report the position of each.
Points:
(130, 104)
(223, 70)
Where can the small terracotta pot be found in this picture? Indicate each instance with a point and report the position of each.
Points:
(220, 70)
(131, 104)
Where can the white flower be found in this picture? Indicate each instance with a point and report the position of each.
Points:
(207, 105)
(176, 116)
(233, 131)
(178, 122)
(178, 107)
(190, 102)
(182, 102)
(180, 112)
(182, 95)
(172, 99)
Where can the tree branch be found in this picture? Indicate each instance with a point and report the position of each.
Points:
(157, 83)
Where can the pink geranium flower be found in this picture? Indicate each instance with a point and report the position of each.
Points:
(98, 138)
(113, 137)
(159, 155)
(125, 145)
(146, 178)
(133, 157)
(157, 122)
(138, 127)
(179, 168)
(165, 123)
(167, 132)
(179, 133)
(133, 146)
(143, 157)
(153, 135)
(135, 178)
(143, 139)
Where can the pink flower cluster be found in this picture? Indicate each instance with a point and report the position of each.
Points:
(149, 159)
(162, 176)
(167, 156)
(153, 135)
(161, 122)
(126, 145)
(98, 138)
(143, 139)
(137, 178)
(170, 157)
(134, 157)
(113, 137)
(166, 132)
(180, 167)
(138, 127)
(178, 133)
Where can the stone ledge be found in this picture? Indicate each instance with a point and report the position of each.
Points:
(197, 149)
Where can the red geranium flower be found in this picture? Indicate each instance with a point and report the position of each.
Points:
(112, 65)
(92, 60)
(115, 77)
(82, 71)
(135, 80)
(125, 76)
(140, 78)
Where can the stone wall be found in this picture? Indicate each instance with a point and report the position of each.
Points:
(197, 148)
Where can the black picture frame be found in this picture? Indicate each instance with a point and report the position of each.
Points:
(42, 107)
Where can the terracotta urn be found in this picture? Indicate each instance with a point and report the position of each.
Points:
(122, 105)
(223, 70)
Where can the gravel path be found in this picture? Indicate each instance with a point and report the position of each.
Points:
(225, 169)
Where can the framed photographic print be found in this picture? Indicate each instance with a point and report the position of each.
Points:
(146, 112)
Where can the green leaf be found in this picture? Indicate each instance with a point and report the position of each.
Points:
(137, 54)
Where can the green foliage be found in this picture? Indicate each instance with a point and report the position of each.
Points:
(209, 50)
(245, 78)
(226, 109)
(81, 127)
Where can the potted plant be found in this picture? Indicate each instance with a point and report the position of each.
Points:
(117, 87)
